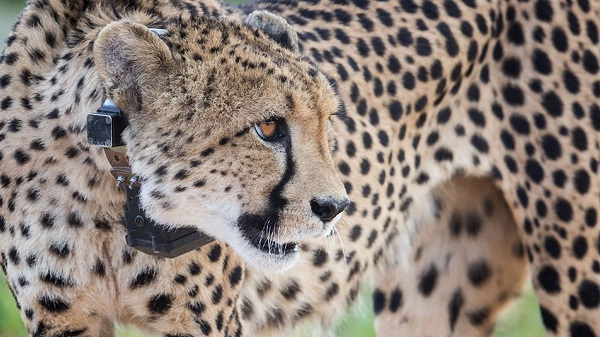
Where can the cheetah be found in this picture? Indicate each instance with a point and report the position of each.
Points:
(464, 134)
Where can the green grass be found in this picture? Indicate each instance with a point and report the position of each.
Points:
(523, 321)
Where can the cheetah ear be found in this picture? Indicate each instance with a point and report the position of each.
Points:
(131, 61)
(275, 27)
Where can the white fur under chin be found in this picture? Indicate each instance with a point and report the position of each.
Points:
(257, 259)
(275, 263)
(223, 229)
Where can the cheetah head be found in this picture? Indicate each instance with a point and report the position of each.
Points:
(228, 129)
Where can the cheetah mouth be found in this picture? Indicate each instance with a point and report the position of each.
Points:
(270, 247)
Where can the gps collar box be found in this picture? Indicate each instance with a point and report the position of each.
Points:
(104, 128)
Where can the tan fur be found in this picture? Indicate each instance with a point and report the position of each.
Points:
(429, 120)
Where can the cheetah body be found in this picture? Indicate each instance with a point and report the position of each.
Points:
(467, 142)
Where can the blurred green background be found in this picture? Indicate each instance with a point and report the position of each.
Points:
(523, 320)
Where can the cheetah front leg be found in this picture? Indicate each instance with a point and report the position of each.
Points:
(466, 264)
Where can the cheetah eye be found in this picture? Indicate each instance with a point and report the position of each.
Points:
(268, 130)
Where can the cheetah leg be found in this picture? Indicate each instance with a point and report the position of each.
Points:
(562, 237)
(50, 306)
(466, 264)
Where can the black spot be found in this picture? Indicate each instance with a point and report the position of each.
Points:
(454, 306)
(455, 224)
(423, 46)
(551, 147)
(160, 304)
(582, 181)
(515, 34)
(479, 272)
(385, 17)
(534, 171)
(559, 39)
(552, 247)
(549, 279)
(4, 81)
(444, 115)
(181, 174)
(56, 279)
(378, 301)
(320, 256)
(513, 95)
(217, 294)
(563, 210)
(511, 67)
(520, 124)
(571, 81)
(452, 9)
(6, 103)
(404, 37)
(180, 279)
(581, 329)
(409, 6)
(543, 10)
(590, 62)
(21, 157)
(99, 268)
(290, 291)
(144, 278)
(550, 321)
(479, 143)
(443, 154)
(396, 299)
(408, 81)
(553, 104)
(477, 116)
(54, 304)
(215, 253)
(591, 217)
(595, 116)
(427, 280)
(579, 139)
(60, 250)
(473, 224)
(589, 294)
(478, 317)
(393, 64)
(451, 45)
(541, 62)
(363, 48)
(13, 256)
(580, 247)
(236, 276)
(58, 132)
(31, 260)
(332, 291)
(37, 145)
(14, 125)
(559, 178)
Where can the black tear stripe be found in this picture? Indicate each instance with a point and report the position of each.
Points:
(251, 225)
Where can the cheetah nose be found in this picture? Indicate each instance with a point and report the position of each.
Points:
(327, 208)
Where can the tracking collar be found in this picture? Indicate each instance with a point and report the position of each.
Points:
(104, 128)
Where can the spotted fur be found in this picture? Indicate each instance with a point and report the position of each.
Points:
(467, 140)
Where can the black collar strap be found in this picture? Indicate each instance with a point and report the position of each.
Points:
(104, 128)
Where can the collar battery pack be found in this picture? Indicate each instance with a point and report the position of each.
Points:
(104, 128)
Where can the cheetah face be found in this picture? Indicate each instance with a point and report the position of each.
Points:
(228, 131)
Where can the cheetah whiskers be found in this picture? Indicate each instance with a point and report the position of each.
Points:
(343, 247)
